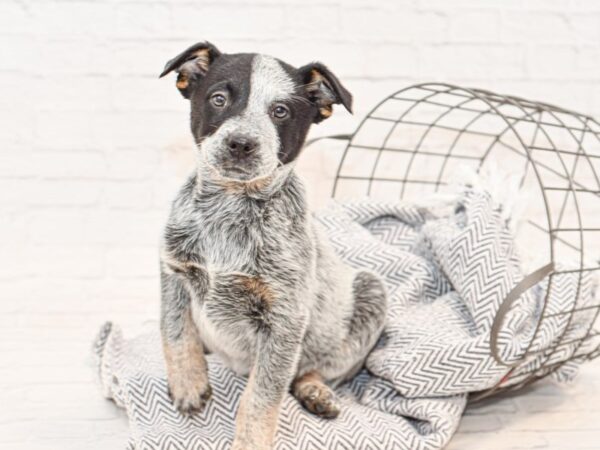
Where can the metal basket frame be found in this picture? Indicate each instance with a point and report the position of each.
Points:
(528, 111)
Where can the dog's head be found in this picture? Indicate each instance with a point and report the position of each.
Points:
(250, 112)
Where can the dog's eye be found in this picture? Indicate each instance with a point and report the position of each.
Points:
(280, 112)
(218, 100)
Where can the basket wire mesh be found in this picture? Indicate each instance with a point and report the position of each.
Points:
(413, 142)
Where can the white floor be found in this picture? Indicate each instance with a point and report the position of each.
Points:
(544, 416)
(49, 400)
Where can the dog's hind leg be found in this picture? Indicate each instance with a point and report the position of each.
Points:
(370, 309)
(364, 328)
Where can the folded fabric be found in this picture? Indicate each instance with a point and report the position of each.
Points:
(448, 266)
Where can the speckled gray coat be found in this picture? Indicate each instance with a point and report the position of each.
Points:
(245, 271)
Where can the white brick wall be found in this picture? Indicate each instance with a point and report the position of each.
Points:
(93, 145)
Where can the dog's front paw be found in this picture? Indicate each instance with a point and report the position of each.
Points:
(189, 393)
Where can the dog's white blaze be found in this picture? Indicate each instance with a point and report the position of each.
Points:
(268, 83)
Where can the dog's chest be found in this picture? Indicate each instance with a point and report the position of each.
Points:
(243, 235)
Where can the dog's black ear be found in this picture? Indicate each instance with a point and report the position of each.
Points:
(324, 89)
(191, 65)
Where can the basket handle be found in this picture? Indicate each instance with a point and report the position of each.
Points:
(525, 284)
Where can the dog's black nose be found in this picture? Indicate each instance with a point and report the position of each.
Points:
(240, 145)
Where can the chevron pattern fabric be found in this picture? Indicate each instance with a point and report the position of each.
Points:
(448, 268)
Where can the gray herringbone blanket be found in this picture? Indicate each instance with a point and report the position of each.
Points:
(447, 268)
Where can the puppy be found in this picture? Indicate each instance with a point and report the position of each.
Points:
(245, 272)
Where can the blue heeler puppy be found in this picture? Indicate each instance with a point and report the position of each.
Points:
(245, 272)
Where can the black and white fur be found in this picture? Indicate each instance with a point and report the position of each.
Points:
(245, 272)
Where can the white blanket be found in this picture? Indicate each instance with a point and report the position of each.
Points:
(448, 268)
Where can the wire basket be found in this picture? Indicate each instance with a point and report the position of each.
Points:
(412, 142)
